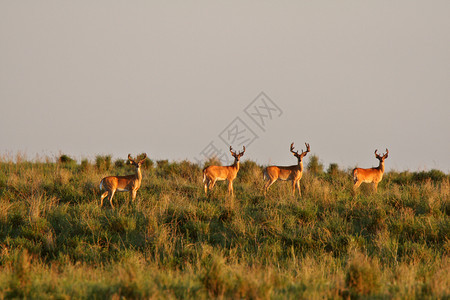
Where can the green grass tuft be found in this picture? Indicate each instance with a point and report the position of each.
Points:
(173, 242)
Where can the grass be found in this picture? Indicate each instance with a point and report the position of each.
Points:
(173, 242)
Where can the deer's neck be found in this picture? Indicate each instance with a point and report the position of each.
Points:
(300, 165)
(381, 166)
(236, 165)
(138, 174)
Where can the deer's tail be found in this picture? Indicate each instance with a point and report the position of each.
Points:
(355, 175)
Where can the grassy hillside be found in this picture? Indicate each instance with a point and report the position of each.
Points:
(173, 242)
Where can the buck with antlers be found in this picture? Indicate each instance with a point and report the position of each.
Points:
(373, 175)
(212, 174)
(293, 173)
(129, 183)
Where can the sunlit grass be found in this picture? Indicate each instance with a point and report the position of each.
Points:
(174, 242)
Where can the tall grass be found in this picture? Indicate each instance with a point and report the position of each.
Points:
(173, 242)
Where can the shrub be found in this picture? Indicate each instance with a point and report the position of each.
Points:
(250, 172)
(20, 281)
(119, 163)
(65, 159)
(314, 166)
(402, 178)
(363, 276)
(148, 164)
(333, 169)
(433, 175)
(213, 161)
(214, 277)
(85, 165)
(103, 162)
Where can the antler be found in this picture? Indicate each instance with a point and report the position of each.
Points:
(234, 153)
(242, 153)
(143, 158)
(292, 149)
(308, 149)
(381, 156)
(231, 150)
(376, 154)
(129, 157)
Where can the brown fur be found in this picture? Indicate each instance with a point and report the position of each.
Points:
(292, 173)
(212, 174)
(372, 175)
(129, 183)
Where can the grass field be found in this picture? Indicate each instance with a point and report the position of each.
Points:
(173, 242)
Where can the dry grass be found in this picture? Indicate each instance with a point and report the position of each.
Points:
(173, 242)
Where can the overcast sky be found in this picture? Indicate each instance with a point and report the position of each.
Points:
(182, 79)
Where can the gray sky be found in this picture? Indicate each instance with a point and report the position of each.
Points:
(168, 77)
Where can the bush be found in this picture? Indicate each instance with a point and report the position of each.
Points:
(85, 165)
(65, 159)
(212, 161)
(314, 166)
(433, 175)
(103, 162)
(250, 172)
(333, 169)
(148, 164)
(363, 276)
(119, 163)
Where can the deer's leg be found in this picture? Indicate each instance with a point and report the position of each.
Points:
(269, 182)
(357, 184)
(298, 187)
(103, 197)
(230, 187)
(375, 186)
(294, 183)
(206, 187)
(211, 184)
(111, 197)
(133, 195)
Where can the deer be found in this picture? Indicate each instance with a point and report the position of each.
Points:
(212, 174)
(129, 183)
(291, 173)
(372, 175)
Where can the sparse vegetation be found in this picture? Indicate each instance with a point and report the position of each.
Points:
(173, 242)
(314, 166)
